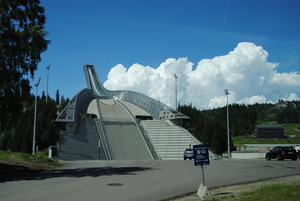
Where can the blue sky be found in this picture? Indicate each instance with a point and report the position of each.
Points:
(140, 45)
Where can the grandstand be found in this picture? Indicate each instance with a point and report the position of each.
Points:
(100, 124)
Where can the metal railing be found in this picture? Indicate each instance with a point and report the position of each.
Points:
(146, 137)
(103, 136)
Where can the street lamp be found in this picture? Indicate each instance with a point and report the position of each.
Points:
(34, 118)
(228, 135)
(175, 91)
(48, 67)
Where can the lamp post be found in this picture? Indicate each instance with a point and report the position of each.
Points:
(48, 67)
(228, 135)
(34, 118)
(175, 91)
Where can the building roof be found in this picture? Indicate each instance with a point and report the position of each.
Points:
(269, 126)
(285, 104)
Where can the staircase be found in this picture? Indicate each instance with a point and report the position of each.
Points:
(170, 140)
(83, 145)
(124, 137)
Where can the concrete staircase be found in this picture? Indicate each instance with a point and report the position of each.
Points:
(83, 145)
(125, 139)
(123, 136)
(170, 140)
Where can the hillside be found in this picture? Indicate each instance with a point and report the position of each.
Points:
(18, 164)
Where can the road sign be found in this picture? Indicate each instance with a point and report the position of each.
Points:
(201, 154)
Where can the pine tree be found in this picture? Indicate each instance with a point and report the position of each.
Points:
(57, 97)
(22, 40)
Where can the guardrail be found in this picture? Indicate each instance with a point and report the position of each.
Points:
(144, 134)
(103, 136)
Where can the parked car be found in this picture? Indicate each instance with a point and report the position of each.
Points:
(188, 153)
(281, 153)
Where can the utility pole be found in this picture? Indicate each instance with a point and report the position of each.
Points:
(34, 118)
(175, 91)
(48, 67)
(228, 135)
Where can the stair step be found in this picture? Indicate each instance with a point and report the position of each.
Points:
(169, 140)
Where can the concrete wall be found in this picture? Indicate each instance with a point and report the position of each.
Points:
(247, 155)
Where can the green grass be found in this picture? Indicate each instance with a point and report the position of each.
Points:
(272, 192)
(14, 164)
(289, 129)
(292, 129)
(282, 192)
(6, 154)
(41, 155)
(241, 141)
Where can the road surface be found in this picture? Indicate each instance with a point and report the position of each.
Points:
(138, 180)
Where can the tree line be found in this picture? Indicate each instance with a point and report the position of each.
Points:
(23, 40)
(17, 132)
(210, 126)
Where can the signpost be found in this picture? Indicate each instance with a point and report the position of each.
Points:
(201, 154)
(201, 157)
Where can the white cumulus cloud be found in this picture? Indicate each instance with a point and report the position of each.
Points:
(291, 97)
(245, 72)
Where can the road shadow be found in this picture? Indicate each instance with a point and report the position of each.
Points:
(80, 172)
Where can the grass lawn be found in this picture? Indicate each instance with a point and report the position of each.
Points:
(19, 164)
(289, 130)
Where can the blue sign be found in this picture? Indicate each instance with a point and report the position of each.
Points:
(201, 154)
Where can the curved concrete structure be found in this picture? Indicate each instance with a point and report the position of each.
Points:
(148, 104)
(114, 119)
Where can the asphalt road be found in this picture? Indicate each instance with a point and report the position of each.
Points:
(138, 180)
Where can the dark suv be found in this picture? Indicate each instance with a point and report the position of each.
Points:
(188, 153)
(282, 152)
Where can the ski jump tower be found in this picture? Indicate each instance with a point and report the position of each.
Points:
(106, 125)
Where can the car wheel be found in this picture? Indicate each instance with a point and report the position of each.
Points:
(294, 159)
(268, 158)
(279, 158)
(184, 158)
(190, 158)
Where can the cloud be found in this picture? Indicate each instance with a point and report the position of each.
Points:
(253, 100)
(291, 97)
(245, 72)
